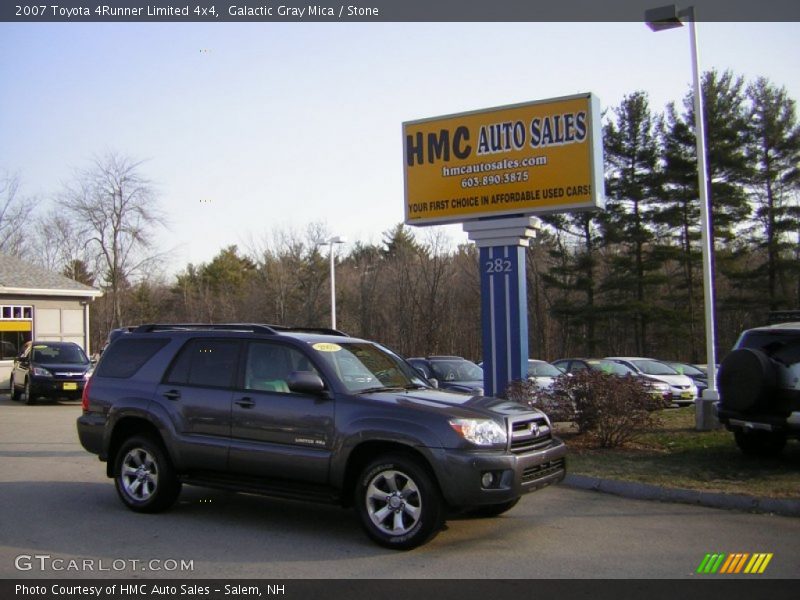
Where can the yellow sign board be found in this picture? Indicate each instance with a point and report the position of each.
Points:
(537, 157)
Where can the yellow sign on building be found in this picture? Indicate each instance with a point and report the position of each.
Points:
(537, 157)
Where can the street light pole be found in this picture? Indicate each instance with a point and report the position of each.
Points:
(334, 240)
(659, 19)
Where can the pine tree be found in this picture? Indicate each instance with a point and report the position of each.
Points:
(775, 154)
(574, 275)
(633, 180)
(679, 214)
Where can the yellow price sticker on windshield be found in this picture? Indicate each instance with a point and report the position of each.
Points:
(326, 347)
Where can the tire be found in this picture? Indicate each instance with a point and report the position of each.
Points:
(492, 510)
(747, 379)
(13, 390)
(28, 395)
(763, 444)
(398, 502)
(144, 476)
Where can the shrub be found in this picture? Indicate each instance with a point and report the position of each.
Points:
(555, 402)
(613, 410)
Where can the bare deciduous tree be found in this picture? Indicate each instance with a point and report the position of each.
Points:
(59, 243)
(14, 214)
(114, 208)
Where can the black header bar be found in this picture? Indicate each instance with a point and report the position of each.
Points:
(343, 11)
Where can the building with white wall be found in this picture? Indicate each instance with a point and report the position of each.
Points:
(39, 304)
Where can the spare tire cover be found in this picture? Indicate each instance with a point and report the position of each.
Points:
(747, 379)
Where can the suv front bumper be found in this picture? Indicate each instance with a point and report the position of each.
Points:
(461, 474)
(57, 388)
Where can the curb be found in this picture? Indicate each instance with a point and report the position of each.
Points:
(644, 491)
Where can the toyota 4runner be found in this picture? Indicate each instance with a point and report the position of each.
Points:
(309, 415)
(759, 383)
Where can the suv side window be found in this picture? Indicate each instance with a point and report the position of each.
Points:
(268, 366)
(128, 356)
(205, 363)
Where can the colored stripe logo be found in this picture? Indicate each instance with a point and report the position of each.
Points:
(731, 564)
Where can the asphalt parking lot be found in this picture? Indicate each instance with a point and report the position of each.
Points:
(56, 502)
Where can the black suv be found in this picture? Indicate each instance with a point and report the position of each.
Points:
(759, 383)
(309, 415)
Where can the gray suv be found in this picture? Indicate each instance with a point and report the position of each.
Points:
(759, 383)
(310, 415)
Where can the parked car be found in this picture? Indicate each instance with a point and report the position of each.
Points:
(314, 416)
(543, 373)
(7, 350)
(694, 373)
(759, 385)
(114, 334)
(682, 388)
(573, 365)
(451, 372)
(50, 370)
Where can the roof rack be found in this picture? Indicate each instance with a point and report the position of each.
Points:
(320, 330)
(247, 327)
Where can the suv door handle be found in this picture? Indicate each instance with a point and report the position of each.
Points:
(245, 402)
(172, 394)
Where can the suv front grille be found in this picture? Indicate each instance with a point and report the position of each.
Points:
(529, 434)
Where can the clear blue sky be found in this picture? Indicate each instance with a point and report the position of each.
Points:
(273, 126)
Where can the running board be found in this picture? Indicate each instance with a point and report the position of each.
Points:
(276, 488)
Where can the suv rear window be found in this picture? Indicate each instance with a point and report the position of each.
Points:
(780, 345)
(126, 356)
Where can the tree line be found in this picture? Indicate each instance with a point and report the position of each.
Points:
(626, 280)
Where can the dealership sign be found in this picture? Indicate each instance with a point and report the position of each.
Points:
(530, 158)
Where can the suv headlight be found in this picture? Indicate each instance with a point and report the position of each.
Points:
(40, 372)
(482, 432)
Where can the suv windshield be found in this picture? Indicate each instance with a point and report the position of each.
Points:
(652, 367)
(64, 355)
(456, 370)
(363, 366)
(610, 367)
(543, 369)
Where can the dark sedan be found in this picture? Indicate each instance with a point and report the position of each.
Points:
(699, 376)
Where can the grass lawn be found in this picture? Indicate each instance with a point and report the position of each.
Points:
(675, 455)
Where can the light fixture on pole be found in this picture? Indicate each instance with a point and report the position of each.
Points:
(659, 19)
(337, 239)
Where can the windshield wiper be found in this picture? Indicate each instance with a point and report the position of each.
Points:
(380, 389)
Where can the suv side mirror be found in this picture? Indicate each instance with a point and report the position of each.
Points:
(305, 382)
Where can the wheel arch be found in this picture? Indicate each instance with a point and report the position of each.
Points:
(125, 428)
(367, 451)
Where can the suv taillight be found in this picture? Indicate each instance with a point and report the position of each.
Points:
(85, 395)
